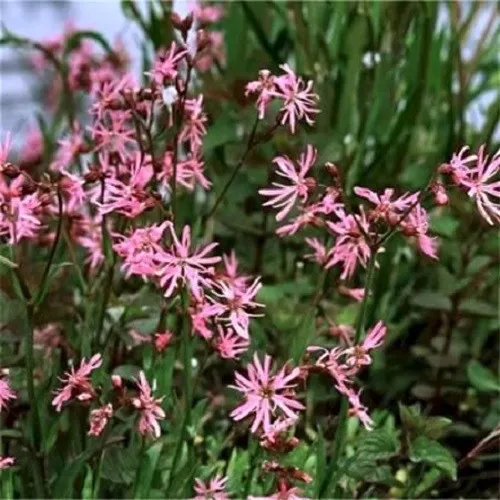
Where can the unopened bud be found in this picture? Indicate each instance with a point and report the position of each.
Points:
(332, 169)
(440, 194)
(10, 170)
(117, 382)
(311, 184)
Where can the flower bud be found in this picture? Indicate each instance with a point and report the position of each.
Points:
(440, 194)
(10, 170)
(332, 169)
(117, 382)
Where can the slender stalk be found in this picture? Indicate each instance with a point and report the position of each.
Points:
(339, 441)
(251, 467)
(55, 244)
(179, 122)
(250, 145)
(186, 349)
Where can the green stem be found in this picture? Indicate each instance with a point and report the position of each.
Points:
(46, 272)
(251, 467)
(339, 442)
(250, 144)
(186, 348)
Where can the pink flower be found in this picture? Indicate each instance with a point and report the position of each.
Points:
(190, 172)
(320, 253)
(180, 263)
(358, 294)
(140, 249)
(200, 313)
(481, 189)
(232, 305)
(459, 165)
(109, 94)
(166, 64)
(193, 128)
(417, 224)
(6, 394)
(72, 192)
(385, 208)
(6, 462)
(285, 196)
(162, 340)
(77, 383)
(230, 274)
(19, 217)
(331, 361)
(266, 395)
(299, 100)
(308, 216)
(69, 148)
(99, 418)
(150, 410)
(351, 246)
(214, 50)
(213, 490)
(33, 146)
(89, 236)
(230, 345)
(264, 87)
(129, 197)
(114, 136)
(359, 410)
(358, 355)
(208, 14)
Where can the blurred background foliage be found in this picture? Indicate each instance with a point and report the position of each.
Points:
(402, 86)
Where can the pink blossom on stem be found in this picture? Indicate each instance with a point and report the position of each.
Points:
(129, 197)
(265, 88)
(233, 304)
(285, 196)
(214, 50)
(351, 246)
(299, 100)
(215, 489)
(162, 340)
(99, 418)
(266, 395)
(180, 263)
(150, 410)
(357, 294)
(228, 344)
(116, 135)
(417, 224)
(19, 216)
(77, 383)
(6, 393)
(166, 64)
(194, 127)
(331, 361)
(6, 462)
(358, 355)
(230, 274)
(69, 147)
(308, 216)
(385, 208)
(139, 250)
(320, 252)
(482, 188)
(357, 409)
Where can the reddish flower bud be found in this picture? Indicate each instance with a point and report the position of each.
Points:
(117, 382)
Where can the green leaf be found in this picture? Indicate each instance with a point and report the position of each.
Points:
(481, 378)
(432, 301)
(378, 444)
(476, 307)
(4, 261)
(428, 451)
(148, 466)
(369, 471)
(128, 372)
